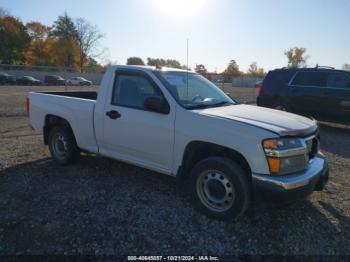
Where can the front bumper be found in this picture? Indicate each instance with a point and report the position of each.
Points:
(313, 178)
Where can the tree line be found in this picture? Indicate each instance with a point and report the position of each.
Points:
(296, 58)
(68, 42)
(231, 70)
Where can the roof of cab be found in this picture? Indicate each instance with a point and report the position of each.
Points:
(147, 68)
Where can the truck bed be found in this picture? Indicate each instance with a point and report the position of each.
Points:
(91, 95)
(75, 107)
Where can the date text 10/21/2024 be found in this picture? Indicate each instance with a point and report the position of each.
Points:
(173, 258)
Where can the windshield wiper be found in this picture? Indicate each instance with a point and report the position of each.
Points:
(222, 103)
(202, 106)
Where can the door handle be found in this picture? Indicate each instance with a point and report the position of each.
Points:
(113, 114)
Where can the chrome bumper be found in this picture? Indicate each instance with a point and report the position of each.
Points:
(316, 175)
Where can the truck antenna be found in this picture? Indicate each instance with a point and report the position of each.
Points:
(187, 55)
(187, 69)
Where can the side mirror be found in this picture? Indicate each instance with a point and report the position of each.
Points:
(157, 104)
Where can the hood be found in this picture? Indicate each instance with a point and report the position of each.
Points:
(282, 123)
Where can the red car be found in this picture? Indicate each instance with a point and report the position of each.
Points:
(54, 80)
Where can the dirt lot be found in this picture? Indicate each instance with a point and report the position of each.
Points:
(102, 206)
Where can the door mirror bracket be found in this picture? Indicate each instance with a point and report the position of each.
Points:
(157, 104)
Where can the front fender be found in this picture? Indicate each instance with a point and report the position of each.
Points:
(241, 137)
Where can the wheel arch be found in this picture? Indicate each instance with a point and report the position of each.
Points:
(198, 150)
(52, 121)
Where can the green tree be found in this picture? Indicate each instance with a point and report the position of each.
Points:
(231, 70)
(165, 62)
(254, 71)
(296, 57)
(93, 66)
(155, 61)
(64, 27)
(200, 69)
(173, 63)
(14, 40)
(135, 61)
(65, 33)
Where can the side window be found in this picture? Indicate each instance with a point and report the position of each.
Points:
(310, 79)
(132, 90)
(339, 80)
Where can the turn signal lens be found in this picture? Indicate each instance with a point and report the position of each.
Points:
(274, 164)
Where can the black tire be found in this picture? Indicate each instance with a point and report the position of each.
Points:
(231, 176)
(62, 145)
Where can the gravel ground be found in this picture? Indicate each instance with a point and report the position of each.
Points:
(102, 206)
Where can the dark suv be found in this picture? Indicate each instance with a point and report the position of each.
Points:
(306, 90)
(54, 80)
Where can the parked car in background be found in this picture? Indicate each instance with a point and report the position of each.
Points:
(306, 91)
(28, 80)
(54, 80)
(6, 79)
(78, 81)
(180, 124)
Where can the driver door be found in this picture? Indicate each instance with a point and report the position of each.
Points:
(132, 133)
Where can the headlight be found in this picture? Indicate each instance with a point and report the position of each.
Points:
(285, 155)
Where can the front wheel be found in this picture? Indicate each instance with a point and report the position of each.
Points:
(62, 145)
(219, 188)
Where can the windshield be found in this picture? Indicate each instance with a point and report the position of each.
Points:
(192, 90)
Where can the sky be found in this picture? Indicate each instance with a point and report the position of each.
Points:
(218, 30)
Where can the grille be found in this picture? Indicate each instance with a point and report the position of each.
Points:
(312, 145)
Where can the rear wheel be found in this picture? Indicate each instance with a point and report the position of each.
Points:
(62, 145)
(219, 188)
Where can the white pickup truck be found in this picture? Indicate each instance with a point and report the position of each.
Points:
(180, 124)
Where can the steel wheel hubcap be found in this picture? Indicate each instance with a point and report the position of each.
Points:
(59, 145)
(215, 190)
